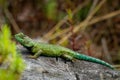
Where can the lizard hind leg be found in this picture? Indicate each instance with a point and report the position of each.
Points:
(67, 58)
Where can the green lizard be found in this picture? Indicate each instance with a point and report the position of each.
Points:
(50, 50)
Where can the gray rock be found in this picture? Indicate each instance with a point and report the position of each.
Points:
(47, 68)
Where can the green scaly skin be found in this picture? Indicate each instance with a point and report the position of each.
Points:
(54, 50)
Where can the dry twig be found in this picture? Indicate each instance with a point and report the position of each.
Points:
(60, 23)
(105, 50)
(82, 25)
(12, 21)
(93, 21)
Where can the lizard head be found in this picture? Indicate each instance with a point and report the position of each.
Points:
(24, 40)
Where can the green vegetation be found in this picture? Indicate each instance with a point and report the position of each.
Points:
(11, 63)
(50, 9)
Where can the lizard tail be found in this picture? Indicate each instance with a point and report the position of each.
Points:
(92, 59)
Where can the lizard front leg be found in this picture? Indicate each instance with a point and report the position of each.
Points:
(36, 55)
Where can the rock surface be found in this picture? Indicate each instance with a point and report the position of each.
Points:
(47, 68)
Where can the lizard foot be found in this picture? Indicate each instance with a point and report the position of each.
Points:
(32, 57)
(72, 62)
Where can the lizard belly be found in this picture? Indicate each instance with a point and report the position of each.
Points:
(47, 50)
